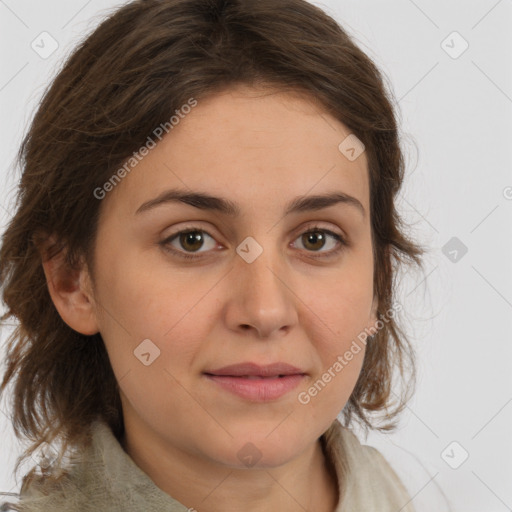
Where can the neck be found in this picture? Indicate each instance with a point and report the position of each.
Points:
(306, 483)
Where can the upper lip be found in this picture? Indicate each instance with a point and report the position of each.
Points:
(253, 369)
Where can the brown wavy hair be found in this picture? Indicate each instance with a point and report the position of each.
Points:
(128, 76)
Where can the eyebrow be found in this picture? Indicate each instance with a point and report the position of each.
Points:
(218, 204)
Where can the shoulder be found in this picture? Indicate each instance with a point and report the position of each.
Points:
(391, 472)
(368, 482)
(370, 464)
(100, 476)
(416, 474)
(42, 494)
(7, 506)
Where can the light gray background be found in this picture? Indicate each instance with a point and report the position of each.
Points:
(457, 127)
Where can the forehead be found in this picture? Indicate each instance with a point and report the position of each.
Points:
(251, 145)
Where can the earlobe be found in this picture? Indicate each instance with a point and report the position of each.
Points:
(70, 294)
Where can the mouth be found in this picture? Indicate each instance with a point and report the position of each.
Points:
(249, 369)
(257, 383)
(251, 377)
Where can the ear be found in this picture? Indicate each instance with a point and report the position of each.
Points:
(70, 290)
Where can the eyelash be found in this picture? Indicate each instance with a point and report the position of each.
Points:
(314, 229)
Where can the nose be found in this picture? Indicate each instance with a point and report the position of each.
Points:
(262, 298)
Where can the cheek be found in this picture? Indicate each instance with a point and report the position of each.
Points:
(342, 302)
(137, 302)
(339, 313)
(145, 296)
(151, 331)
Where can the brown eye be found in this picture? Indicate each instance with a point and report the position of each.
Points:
(191, 240)
(314, 240)
(188, 241)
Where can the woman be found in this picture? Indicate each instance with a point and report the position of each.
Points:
(202, 264)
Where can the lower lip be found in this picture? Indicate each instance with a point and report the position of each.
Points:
(258, 390)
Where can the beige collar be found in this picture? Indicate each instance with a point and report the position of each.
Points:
(106, 478)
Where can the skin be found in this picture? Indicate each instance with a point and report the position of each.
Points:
(260, 150)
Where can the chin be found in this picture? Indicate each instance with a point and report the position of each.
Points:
(256, 452)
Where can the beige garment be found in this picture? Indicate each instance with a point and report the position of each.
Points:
(366, 481)
(107, 479)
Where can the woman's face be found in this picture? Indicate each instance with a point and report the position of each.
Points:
(263, 285)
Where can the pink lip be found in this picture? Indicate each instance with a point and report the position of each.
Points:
(259, 389)
(272, 382)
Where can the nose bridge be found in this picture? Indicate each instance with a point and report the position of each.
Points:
(263, 273)
(263, 298)
(260, 272)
